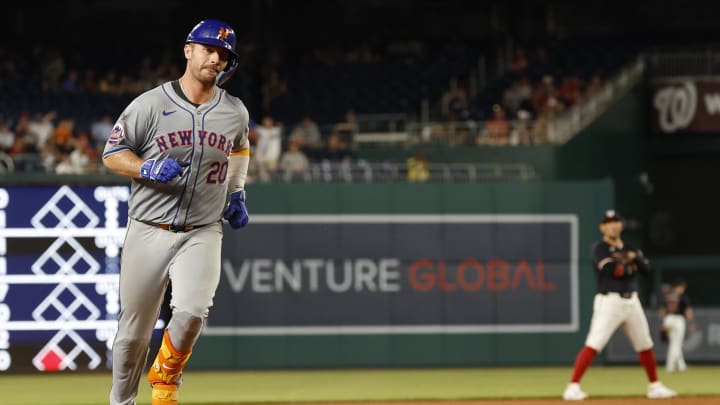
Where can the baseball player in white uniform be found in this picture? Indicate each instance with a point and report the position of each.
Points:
(617, 304)
(677, 318)
(184, 145)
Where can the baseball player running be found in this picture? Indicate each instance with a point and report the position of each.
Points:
(185, 146)
(617, 304)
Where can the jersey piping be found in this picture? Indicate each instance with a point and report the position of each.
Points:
(192, 155)
(202, 152)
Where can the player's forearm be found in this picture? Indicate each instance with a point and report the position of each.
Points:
(238, 163)
(125, 163)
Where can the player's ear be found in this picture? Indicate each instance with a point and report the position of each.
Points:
(187, 50)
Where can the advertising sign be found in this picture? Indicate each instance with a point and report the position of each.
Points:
(685, 105)
(59, 259)
(284, 275)
(368, 274)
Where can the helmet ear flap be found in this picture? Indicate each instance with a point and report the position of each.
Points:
(227, 73)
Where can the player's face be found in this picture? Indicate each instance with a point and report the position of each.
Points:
(206, 61)
(611, 229)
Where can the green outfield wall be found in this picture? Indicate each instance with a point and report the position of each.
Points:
(585, 200)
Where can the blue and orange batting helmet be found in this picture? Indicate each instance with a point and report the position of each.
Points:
(216, 33)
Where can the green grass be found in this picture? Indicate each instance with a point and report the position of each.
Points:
(360, 385)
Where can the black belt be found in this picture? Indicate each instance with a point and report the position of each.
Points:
(623, 294)
(173, 228)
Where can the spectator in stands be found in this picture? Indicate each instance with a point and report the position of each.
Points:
(347, 128)
(41, 129)
(63, 134)
(540, 129)
(22, 126)
(63, 164)
(570, 90)
(520, 134)
(462, 133)
(73, 155)
(497, 129)
(455, 102)
(595, 85)
(7, 137)
(307, 134)
(59, 146)
(337, 149)
(100, 131)
(337, 160)
(526, 90)
(514, 96)
(85, 156)
(543, 91)
(434, 133)
(269, 147)
(418, 168)
(108, 83)
(71, 83)
(293, 162)
(25, 151)
(553, 106)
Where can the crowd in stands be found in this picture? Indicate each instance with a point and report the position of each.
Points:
(56, 117)
(517, 107)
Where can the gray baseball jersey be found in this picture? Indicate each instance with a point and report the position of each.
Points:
(161, 123)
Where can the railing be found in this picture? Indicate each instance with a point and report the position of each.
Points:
(570, 122)
(684, 61)
(366, 172)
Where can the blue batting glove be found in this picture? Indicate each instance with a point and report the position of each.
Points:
(236, 213)
(161, 170)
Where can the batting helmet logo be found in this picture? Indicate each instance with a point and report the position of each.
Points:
(223, 33)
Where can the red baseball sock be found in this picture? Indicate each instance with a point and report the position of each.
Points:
(647, 359)
(582, 362)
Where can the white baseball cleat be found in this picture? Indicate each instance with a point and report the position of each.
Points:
(574, 393)
(658, 390)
